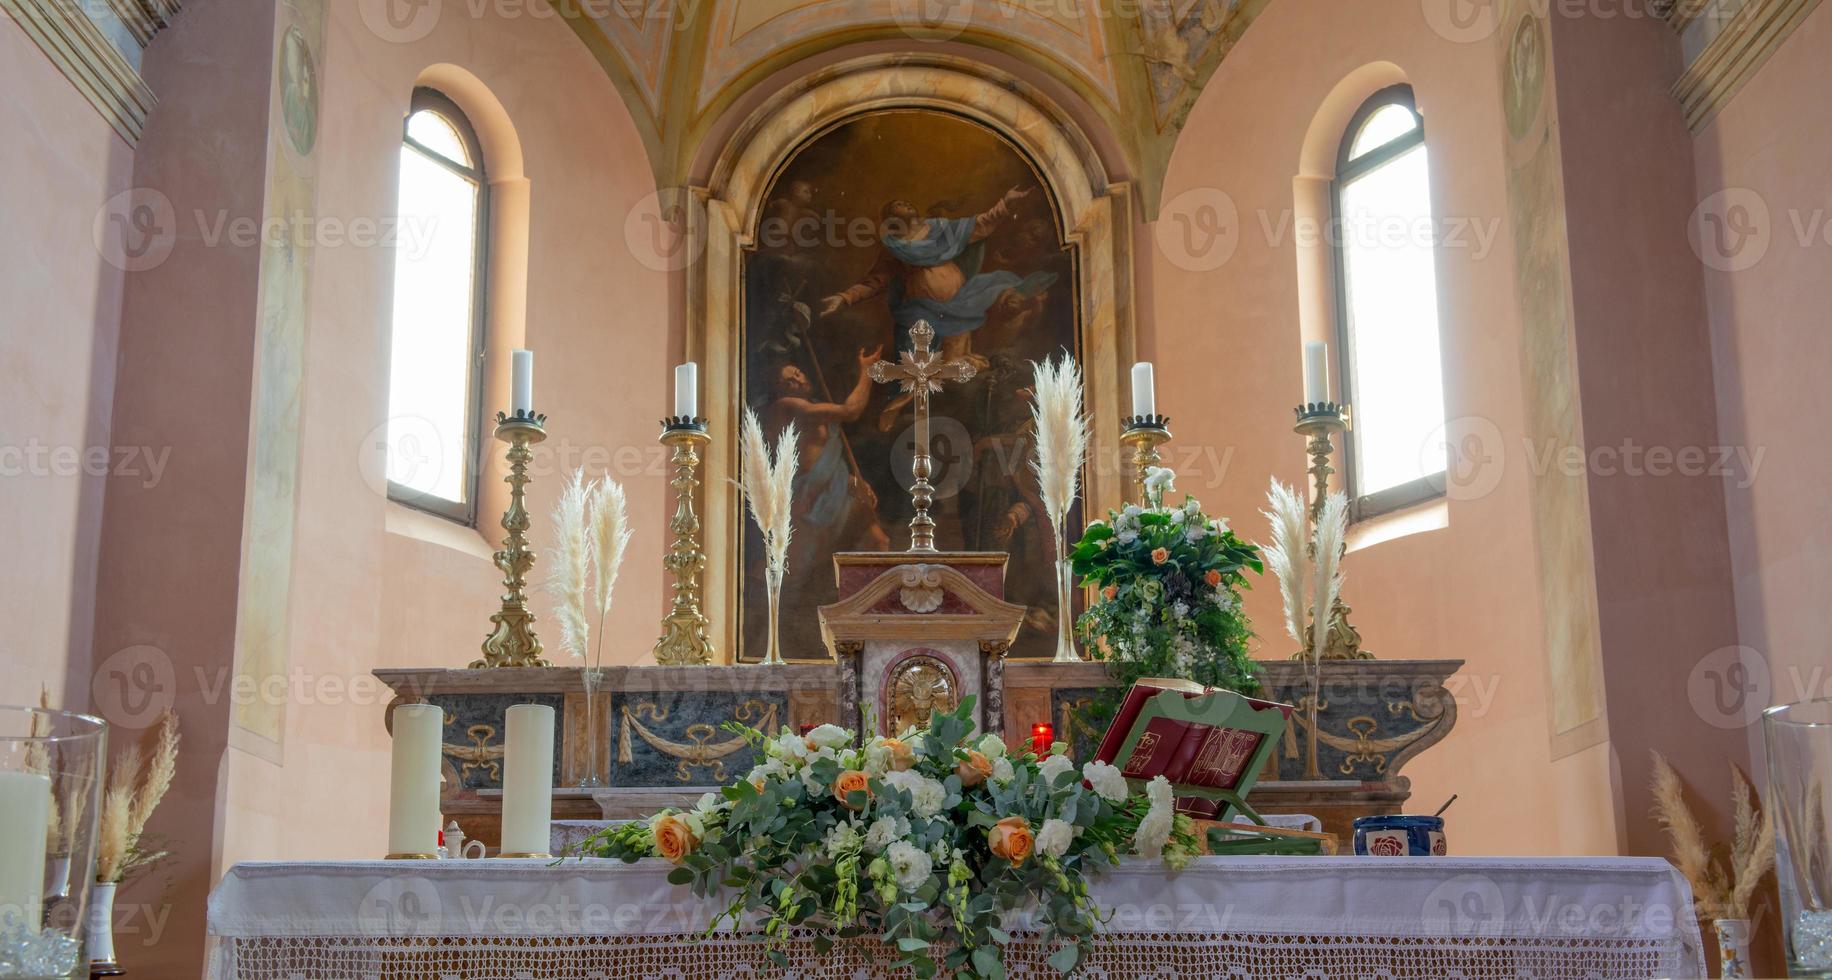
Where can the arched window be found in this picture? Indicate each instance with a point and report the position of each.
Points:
(1387, 309)
(436, 358)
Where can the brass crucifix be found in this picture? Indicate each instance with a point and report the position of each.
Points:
(921, 373)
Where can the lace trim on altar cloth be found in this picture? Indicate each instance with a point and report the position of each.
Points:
(692, 957)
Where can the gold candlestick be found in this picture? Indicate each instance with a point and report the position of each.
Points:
(513, 643)
(1144, 433)
(1319, 422)
(683, 641)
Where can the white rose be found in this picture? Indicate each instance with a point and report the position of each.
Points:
(926, 795)
(991, 746)
(1106, 780)
(883, 831)
(1154, 830)
(1055, 766)
(1159, 479)
(830, 737)
(910, 864)
(1002, 771)
(1055, 837)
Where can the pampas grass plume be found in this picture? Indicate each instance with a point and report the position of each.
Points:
(1062, 435)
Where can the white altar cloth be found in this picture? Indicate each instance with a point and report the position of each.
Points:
(1353, 917)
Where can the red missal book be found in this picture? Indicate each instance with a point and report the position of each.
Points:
(1129, 709)
(1183, 752)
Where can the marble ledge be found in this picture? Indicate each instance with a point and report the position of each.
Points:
(418, 682)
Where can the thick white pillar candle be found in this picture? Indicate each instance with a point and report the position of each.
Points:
(524, 382)
(1316, 372)
(25, 823)
(528, 780)
(1144, 389)
(413, 791)
(687, 390)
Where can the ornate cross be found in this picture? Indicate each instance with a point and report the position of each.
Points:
(921, 372)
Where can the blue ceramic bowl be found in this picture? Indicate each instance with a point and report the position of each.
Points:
(1399, 835)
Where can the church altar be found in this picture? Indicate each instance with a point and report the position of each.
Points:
(1603, 917)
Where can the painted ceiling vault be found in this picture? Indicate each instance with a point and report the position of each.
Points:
(1137, 64)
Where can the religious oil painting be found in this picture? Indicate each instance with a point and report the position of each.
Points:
(890, 219)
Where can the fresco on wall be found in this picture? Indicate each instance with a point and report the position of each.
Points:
(268, 523)
(887, 219)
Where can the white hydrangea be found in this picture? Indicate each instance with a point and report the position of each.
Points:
(1055, 837)
(910, 864)
(841, 839)
(1055, 766)
(1002, 772)
(1107, 781)
(1154, 830)
(926, 795)
(991, 746)
(1159, 479)
(883, 831)
(1195, 533)
(1127, 536)
(830, 737)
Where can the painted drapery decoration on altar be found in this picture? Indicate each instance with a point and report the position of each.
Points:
(924, 842)
(891, 218)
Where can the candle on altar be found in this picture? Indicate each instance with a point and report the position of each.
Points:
(1043, 735)
(25, 812)
(523, 402)
(687, 390)
(413, 790)
(528, 780)
(1144, 390)
(1316, 372)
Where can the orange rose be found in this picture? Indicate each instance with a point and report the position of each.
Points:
(1213, 578)
(1011, 839)
(1111, 592)
(1160, 556)
(974, 769)
(898, 755)
(851, 781)
(674, 840)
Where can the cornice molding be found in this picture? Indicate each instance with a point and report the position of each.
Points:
(144, 18)
(1681, 13)
(1735, 55)
(89, 60)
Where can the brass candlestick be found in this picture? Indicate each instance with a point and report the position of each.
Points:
(513, 643)
(1144, 433)
(1319, 422)
(683, 641)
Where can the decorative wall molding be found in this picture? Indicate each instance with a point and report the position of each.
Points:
(1734, 56)
(84, 54)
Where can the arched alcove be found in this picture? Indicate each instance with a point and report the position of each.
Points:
(1094, 216)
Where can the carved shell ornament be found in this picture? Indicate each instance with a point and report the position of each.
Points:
(922, 591)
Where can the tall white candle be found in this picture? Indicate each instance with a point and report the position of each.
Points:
(25, 823)
(1316, 372)
(1144, 389)
(528, 780)
(687, 390)
(413, 791)
(524, 382)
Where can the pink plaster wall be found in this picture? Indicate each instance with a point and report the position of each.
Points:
(58, 334)
(1769, 149)
(1227, 345)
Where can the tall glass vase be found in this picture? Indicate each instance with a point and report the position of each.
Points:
(772, 578)
(1065, 606)
(590, 678)
(1799, 741)
(50, 795)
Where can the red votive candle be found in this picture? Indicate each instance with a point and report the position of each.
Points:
(805, 729)
(1043, 735)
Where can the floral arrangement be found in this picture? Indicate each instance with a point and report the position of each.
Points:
(1170, 581)
(137, 782)
(925, 841)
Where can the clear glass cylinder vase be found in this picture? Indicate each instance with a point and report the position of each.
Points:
(1065, 608)
(1799, 742)
(772, 578)
(589, 678)
(50, 798)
